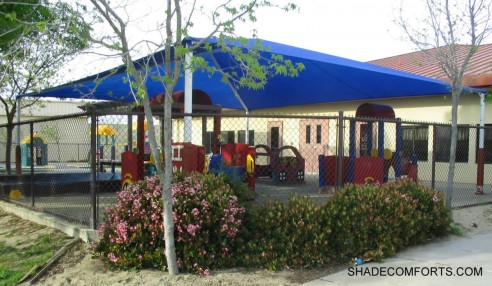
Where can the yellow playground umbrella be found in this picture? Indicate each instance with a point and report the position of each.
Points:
(105, 130)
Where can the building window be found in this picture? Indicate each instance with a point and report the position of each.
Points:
(415, 142)
(308, 134)
(241, 137)
(318, 134)
(487, 143)
(443, 144)
(227, 137)
(207, 141)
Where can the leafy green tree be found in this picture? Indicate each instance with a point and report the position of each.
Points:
(175, 26)
(36, 38)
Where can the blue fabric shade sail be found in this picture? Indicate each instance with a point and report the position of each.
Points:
(326, 79)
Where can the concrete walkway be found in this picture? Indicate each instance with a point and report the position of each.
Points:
(451, 261)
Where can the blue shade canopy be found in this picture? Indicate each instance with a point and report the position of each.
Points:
(325, 79)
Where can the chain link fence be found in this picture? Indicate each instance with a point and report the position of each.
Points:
(73, 166)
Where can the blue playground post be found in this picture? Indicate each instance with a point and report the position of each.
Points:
(351, 168)
(380, 139)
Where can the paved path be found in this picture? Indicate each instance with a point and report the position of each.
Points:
(443, 262)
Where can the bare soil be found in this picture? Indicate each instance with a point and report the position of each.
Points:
(78, 268)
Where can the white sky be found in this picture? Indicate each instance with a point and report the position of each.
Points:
(356, 29)
(361, 30)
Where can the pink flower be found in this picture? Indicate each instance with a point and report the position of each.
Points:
(121, 231)
(225, 227)
(206, 272)
(191, 229)
(112, 258)
(204, 204)
(195, 211)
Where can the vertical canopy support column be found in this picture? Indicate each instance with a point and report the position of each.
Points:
(188, 100)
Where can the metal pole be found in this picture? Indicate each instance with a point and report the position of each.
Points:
(481, 150)
(188, 101)
(352, 151)
(340, 150)
(18, 120)
(399, 145)
(18, 158)
(93, 184)
(31, 132)
(434, 146)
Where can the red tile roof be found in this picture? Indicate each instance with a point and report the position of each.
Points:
(478, 74)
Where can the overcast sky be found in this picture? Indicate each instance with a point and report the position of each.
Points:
(361, 30)
(357, 29)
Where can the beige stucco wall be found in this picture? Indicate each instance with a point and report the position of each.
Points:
(421, 109)
(425, 109)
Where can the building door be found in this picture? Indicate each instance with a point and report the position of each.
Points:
(313, 141)
(275, 133)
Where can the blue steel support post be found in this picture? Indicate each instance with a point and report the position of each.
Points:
(351, 167)
(380, 139)
(399, 145)
(369, 138)
(321, 163)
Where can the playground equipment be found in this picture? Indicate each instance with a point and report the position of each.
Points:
(281, 168)
(373, 164)
(236, 160)
(186, 157)
(263, 170)
(40, 150)
(105, 131)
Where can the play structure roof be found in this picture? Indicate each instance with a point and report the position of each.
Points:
(326, 79)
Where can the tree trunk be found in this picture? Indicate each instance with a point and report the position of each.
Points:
(165, 177)
(452, 149)
(166, 186)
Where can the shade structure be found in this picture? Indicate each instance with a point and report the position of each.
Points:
(326, 78)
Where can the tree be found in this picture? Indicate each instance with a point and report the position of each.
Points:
(176, 26)
(36, 38)
(449, 32)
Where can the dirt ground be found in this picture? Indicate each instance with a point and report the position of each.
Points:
(78, 268)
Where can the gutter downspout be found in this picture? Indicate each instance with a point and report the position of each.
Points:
(246, 109)
(481, 150)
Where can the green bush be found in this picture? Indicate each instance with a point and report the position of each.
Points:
(213, 229)
(376, 221)
(206, 219)
(278, 235)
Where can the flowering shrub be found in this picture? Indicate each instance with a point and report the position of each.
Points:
(206, 217)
